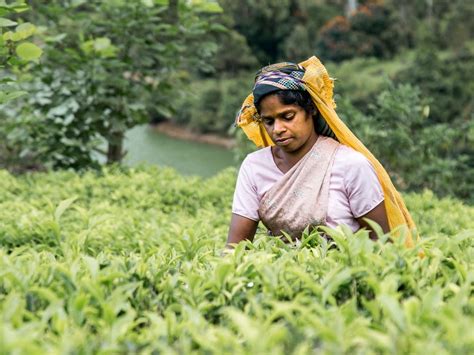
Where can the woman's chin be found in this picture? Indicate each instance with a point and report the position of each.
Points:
(290, 148)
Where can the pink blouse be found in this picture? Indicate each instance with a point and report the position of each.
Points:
(354, 188)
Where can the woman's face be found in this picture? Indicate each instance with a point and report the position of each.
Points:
(290, 126)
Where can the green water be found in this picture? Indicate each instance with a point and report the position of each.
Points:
(145, 146)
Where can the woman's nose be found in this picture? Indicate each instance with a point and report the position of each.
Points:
(279, 127)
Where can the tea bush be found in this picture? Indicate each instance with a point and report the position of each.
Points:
(127, 261)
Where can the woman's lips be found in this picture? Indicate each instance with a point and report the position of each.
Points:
(283, 141)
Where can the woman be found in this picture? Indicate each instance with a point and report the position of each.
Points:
(312, 170)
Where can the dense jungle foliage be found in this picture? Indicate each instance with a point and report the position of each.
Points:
(128, 261)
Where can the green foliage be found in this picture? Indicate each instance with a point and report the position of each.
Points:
(130, 262)
(447, 135)
(264, 23)
(54, 128)
(457, 28)
(101, 77)
(361, 79)
(296, 45)
(210, 105)
(279, 31)
(233, 55)
(243, 145)
(444, 81)
(368, 32)
(294, 30)
(418, 150)
(15, 51)
(447, 22)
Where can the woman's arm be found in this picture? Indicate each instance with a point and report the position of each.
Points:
(241, 228)
(378, 215)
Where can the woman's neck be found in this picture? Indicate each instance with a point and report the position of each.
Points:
(286, 160)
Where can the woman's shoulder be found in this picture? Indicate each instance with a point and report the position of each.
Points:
(347, 157)
(260, 168)
(350, 165)
(258, 157)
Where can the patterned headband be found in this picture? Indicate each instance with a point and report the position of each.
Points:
(283, 76)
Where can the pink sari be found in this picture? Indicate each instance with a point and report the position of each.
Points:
(300, 198)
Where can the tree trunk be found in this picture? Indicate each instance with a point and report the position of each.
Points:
(115, 148)
(429, 13)
(173, 13)
(351, 6)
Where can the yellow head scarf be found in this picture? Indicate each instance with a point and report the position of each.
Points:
(320, 87)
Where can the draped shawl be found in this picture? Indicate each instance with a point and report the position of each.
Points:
(300, 198)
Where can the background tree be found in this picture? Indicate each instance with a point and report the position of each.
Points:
(100, 77)
(280, 30)
(265, 24)
(366, 32)
(16, 52)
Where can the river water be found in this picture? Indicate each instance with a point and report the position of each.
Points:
(146, 146)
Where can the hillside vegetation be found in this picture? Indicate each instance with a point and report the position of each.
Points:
(130, 260)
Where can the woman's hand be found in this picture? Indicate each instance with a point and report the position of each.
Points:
(241, 228)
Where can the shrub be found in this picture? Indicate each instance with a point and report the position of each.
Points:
(418, 151)
(444, 81)
(130, 261)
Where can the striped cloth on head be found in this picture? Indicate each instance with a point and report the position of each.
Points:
(285, 76)
(276, 77)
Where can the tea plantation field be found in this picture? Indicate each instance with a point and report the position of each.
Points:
(131, 262)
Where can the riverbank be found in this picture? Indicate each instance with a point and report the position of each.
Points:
(145, 145)
(184, 133)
